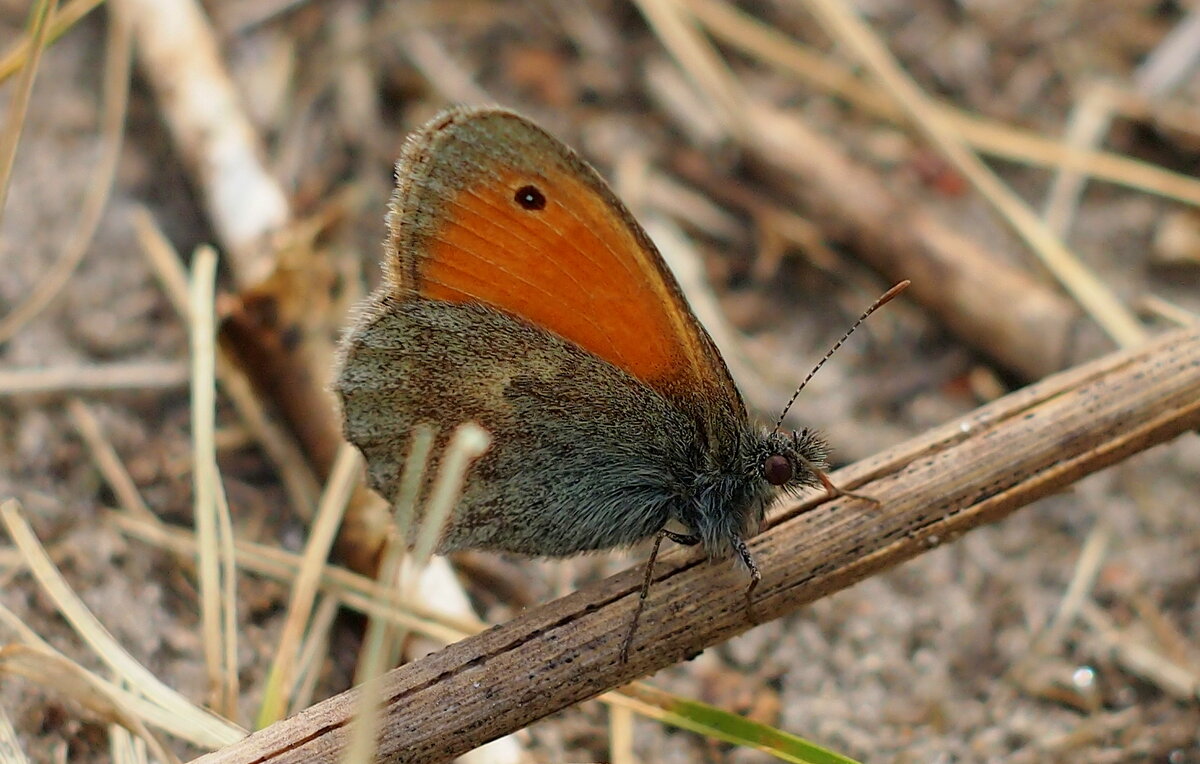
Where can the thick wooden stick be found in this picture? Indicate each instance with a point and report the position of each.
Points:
(934, 488)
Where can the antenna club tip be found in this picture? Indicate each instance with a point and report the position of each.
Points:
(895, 290)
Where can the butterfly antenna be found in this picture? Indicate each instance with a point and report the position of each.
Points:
(883, 300)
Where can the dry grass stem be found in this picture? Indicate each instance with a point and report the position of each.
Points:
(313, 653)
(10, 746)
(355, 591)
(382, 639)
(296, 475)
(444, 74)
(107, 462)
(112, 128)
(214, 529)
(10, 137)
(1001, 310)
(1094, 296)
(669, 196)
(342, 482)
(1170, 311)
(700, 60)
(125, 748)
(1022, 447)
(1089, 121)
(620, 735)
(164, 261)
(974, 290)
(1174, 58)
(404, 503)
(1178, 680)
(1091, 558)
(63, 19)
(69, 679)
(1173, 642)
(757, 40)
(155, 701)
(468, 443)
(97, 378)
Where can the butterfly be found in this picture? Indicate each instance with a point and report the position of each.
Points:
(519, 293)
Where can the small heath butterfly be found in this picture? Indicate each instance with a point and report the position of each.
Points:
(519, 293)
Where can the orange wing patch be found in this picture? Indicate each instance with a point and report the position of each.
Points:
(490, 208)
(562, 267)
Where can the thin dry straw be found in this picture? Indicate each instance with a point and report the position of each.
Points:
(124, 747)
(64, 18)
(620, 735)
(1092, 294)
(106, 460)
(342, 480)
(700, 61)
(426, 53)
(298, 480)
(180, 726)
(106, 377)
(11, 135)
(408, 491)
(53, 671)
(175, 710)
(1089, 121)
(1170, 311)
(1078, 591)
(313, 652)
(385, 640)
(757, 40)
(355, 591)
(10, 747)
(218, 571)
(467, 444)
(116, 97)
(1134, 655)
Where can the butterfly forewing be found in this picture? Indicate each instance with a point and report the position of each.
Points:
(489, 208)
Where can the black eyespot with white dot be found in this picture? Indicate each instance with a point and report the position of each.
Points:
(530, 198)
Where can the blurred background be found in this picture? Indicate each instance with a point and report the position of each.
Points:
(789, 165)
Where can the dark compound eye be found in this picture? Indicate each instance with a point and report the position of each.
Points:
(777, 470)
(530, 198)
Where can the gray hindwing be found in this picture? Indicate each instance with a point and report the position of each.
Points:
(582, 452)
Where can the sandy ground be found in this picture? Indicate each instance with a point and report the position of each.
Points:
(934, 661)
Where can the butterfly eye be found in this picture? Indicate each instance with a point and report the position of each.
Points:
(530, 198)
(777, 469)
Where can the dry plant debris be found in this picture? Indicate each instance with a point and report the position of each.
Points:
(794, 159)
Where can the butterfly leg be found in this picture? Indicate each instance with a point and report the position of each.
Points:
(755, 575)
(678, 538)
